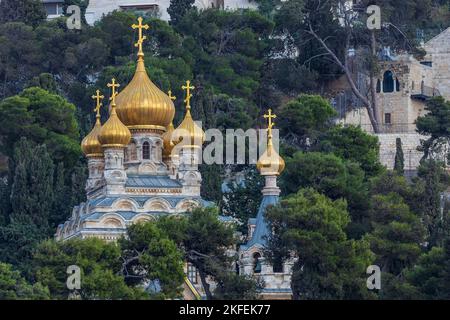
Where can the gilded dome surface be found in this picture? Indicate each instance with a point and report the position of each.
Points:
(90, 145)
(142, 105)
(270, 163)
(114, 133)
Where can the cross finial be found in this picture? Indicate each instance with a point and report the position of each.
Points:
(98, 105)
(270, 116)
(113, 85)
(171, 96)
(141, 37)
(188, 89)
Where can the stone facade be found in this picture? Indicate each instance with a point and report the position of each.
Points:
(98, 8)
(404, 85)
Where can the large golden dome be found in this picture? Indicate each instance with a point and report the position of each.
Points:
(90, 145)
(141, 104)
(270, 163)
(114, 133)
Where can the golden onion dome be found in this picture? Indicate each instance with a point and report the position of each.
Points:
(142, 105)
(90, 145)
(114, 133)
(270, 163)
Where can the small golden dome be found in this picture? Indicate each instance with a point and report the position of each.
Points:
(114, 133)
(90, 145)
(188, 129)
(270, 163)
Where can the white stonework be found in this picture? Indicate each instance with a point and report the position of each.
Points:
(98, 8)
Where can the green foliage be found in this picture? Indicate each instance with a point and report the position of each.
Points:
(14, 287)
(397, 233)
(178, 9)
(100, 266)
(243, 198)
(333, 177)
(301, 120)
(31, 12)
(435, 124)
(205, 240)
(43, 118)
(353, 144)
(150, 256)
(399, 164)
(329, 265)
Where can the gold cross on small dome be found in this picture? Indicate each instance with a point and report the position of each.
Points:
(113, 85)
(188, 89)
(98, 99)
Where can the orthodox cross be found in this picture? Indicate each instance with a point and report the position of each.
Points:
(113, 85)
(141, 39)
(270, 116)
(98, 98)
(171, 96)
(188, 89)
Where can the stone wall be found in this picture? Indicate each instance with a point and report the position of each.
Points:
(410, 142)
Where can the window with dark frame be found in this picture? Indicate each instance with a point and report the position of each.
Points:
(192, 273)
(387, 118)
(146, 151)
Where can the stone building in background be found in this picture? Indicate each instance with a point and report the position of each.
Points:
(403, 87)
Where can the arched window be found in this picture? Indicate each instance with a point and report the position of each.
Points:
(146, 151)
(132, 151)
(388, 81)
(378, 86)
(256, 262)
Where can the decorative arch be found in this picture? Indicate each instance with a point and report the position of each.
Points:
(187, 205)
(132, 151)
(112, 220)
(157, 205)
(125, 205)
(141, 218)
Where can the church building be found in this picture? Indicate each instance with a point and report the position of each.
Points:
(141, 167)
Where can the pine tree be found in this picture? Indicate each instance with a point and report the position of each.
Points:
(399, 165)
(178, 9)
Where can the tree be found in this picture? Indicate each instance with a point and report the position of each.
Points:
(435, 125)
(32, 187)
(242, 199)
(312, 228)
(353, 144)
(397, 233)
(43, 118)
(399, 162)
(433, 181)
(14, 287)
(332, 177)
(178, 8)
(100, 266)
(31, 12)
(149, 256)
(301, 120)
(205, 242)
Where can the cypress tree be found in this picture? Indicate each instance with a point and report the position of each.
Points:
(399, 165)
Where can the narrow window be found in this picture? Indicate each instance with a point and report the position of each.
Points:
(257, 263)
(378, 86)
(387, 118)
(146, 151)
(397, 84)
(192, 273)
(388, 82)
